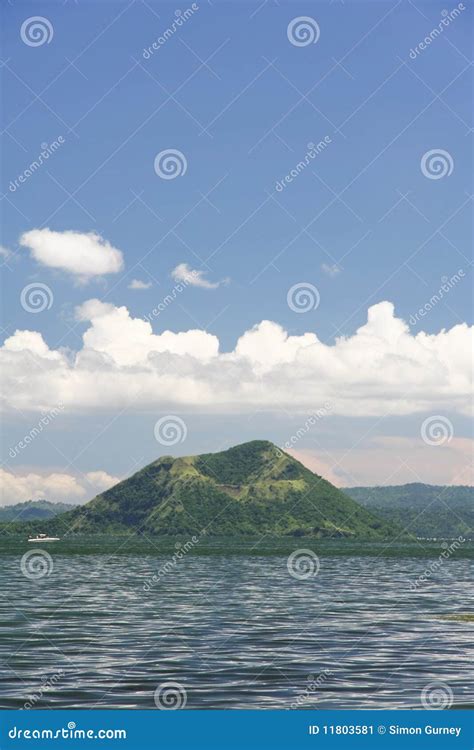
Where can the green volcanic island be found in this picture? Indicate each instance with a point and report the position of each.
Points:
(251, 489)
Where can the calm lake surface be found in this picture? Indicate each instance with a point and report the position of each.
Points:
(233, 627)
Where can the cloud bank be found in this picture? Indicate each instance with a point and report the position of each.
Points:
(55, 487)
(382, 368)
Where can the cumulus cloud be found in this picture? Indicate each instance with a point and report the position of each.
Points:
(55, 487)
(381, 368)
(187, 275)
(99, 481)
(84, 255)
(131, 341)
(139, 285)
(30, 341)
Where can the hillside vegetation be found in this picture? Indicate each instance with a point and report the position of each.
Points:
(33, 510)
(426, 510)
(251, 489)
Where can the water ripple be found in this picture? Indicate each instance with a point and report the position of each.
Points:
(235, 631)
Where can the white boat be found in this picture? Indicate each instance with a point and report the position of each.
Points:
(44, 538)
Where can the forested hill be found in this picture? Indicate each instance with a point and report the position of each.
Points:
(427, 510)
(251, 489)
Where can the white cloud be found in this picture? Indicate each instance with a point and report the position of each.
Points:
(138, 284)
(187, 275)
(83, 255)
(31, 341)
(268, 345)
(55, 487)
(5, 252)
(131, 341)
(99, 481)
(332, 271)
(381, 368)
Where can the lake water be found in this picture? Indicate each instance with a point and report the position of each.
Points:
(234, 630)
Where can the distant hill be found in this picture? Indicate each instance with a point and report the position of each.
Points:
(427, 510)
(251, 489)
(33, 510)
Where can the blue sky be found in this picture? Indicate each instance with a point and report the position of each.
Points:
(231, 92)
